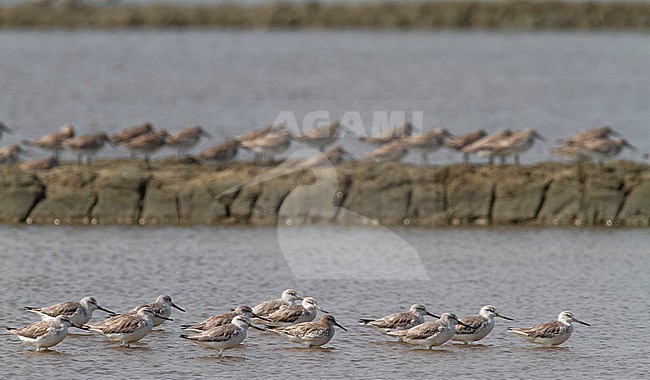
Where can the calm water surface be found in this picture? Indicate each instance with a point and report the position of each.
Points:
(232, 81)
(529, 274)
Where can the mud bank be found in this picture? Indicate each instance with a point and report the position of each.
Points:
(311, 14)
(180, 192)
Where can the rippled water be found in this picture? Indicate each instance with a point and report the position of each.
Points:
(529, 274)
(232, 81)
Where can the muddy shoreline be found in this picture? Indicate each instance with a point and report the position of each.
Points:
(508, 15)
(181, 192)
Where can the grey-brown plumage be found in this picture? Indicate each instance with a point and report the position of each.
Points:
(221, 319)
(221, 334)
(33, 330)
(42, 164)
(602, 149)
(64, 308)
(392, 151)
(488, 146)
(459, 142)
(113, 319)
(222, 337)
(399, 321)
(516, 143)
(186, 139)
(332, 156)
(395, 321)
(212, 322)
(129, 327)
(551, 333)
(289, 298)
(132, 132)
(311, 334)
(257, 133)
(219, 154)
(546, 330)
(147, 144)
(123, 324)
(306, 312)
(400, 131)
(78, 312)
(54, 141)
(427, 142)
(10, 153)
(592, 144)
(590, 134)
(269, 307)
(473, 322)
(477, 327)
(320, 137)
(572, 152)
(87, 145)
(163, 308)
(269, 145)
(429, 334)
(43, 334)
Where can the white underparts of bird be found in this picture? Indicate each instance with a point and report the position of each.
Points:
(44, 334)
(224, 336)
(551, 333)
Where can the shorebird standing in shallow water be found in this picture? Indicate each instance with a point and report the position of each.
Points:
(400, 131)
(399, 321)
(128, 328)
(320, 137)
(222, 319)
(186, 138)
(132, 132)
(9, 154)
(311, 334)
(551, 333)
(481, 325)
(427, 143)
(393, 151)
(289, 298)
(459, 142)
(163, 308)
(146, 144)
(116, 317)
(429, 334)
(54, 141)
(219, 155)
(87, 145)
(223, 337)
(44, 334)
(296, 314)
(78, 312)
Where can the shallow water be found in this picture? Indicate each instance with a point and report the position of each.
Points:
(529, 274)
(233, 81)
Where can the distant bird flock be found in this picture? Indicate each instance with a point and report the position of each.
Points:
(267, 143)
(291, 317)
